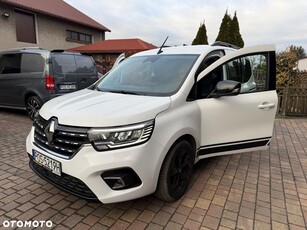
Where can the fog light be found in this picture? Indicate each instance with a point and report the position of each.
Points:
(119, 179)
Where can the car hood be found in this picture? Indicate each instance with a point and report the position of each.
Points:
(89, 108)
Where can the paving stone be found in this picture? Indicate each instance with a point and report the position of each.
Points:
(259, 190)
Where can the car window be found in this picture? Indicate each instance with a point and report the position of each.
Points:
(64, 63)
(32, 63)
(207, 84)
(250, 71)
(156, 75)
(10, 63)
(85, 64)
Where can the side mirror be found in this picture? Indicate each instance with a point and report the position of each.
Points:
(226, 88)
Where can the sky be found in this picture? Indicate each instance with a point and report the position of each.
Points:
(279, 22)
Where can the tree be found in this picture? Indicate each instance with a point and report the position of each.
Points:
(299, 51)
(224, 28)
(235, 35)
(230, 31)
(201, 36)
(286, 62)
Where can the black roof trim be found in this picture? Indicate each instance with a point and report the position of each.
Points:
(218, 43)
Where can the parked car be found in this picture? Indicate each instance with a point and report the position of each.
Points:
(30, 76)
(141, 129)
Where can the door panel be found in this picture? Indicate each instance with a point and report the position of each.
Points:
(231, 124)
(234, 120)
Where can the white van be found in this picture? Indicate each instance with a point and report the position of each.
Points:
(141, 129)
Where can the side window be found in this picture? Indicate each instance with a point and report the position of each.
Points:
(32, 63)
(250, 71)
(10, 63)
(207, 84)
(85, 65)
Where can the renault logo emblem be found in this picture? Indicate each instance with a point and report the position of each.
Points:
(50, 129)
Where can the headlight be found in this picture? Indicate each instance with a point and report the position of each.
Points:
(118, 137)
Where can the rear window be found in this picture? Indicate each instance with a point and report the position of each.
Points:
(85, 65)
(64, 63)
(10, 63)
(32, 63)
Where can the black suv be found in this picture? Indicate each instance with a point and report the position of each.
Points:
(31, 76)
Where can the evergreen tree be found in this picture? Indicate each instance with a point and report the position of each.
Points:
(229, 31)
(235, 35)
(224, 28)
(201, 36)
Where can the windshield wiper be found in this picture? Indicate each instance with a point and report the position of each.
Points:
(125, 92)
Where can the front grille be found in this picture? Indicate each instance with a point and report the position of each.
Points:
(66, 141)
(65, 182)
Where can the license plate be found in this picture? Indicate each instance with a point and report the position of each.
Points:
(48, 163)
(67, 87)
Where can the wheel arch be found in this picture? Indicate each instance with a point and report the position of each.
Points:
(30, 94)
(161, 191)
(184, 137)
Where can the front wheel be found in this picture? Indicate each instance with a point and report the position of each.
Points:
(176, 172)
(33, 104)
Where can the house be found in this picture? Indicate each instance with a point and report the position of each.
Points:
(302, 64)
(48, 24)
(106, 52)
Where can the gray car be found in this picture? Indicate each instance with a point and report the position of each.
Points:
(30, 76)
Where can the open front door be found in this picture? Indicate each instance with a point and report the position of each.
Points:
(244, 122)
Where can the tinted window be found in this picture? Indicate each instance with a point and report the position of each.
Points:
(85, 64)
(64, 63)
(10, 63)
(32, 63)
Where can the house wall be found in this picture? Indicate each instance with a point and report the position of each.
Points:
(302, 64)
(50, 32)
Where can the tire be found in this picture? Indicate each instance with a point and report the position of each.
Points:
(176, 172)
(33, 105)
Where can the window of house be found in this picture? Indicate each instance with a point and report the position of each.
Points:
(78, 37)
(25, 27)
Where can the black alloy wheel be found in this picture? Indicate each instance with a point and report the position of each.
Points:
(176, 172)
(33, 105)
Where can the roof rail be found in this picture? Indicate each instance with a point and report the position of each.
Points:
(57, 51)
(31, 48)
(22, 48)
(218, 43)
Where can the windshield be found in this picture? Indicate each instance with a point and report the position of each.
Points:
(158, 75)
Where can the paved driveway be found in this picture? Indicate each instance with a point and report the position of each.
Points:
(260, 190)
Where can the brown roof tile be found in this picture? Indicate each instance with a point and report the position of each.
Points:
(115, 46)
(58, 9)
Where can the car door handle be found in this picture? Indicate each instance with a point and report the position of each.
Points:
(83, 80)
(266, 105)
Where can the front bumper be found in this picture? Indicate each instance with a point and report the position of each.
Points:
(87, 166)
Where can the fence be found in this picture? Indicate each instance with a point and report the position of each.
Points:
(292, 101)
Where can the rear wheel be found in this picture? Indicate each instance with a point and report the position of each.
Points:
(33, 104)
(176, 172)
